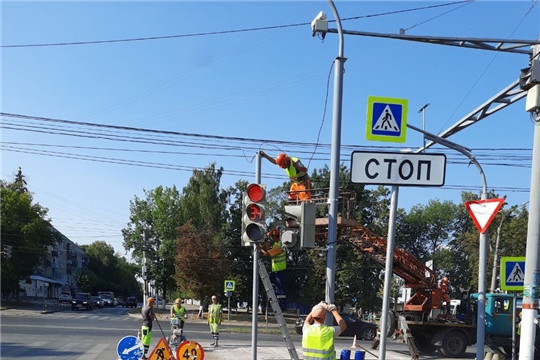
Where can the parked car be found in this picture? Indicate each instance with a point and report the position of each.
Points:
(131, 302)
(82, 300)
(97, 302)
(355, 326)
(64, 297)
(119, 301)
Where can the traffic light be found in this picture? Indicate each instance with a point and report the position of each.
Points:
(305, 215)
(7, 250)
(253, 214)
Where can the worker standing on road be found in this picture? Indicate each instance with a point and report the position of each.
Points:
(279, 265)
(148, 316)
(297, 172)
(179, 311)
(215, 315)
(318, 338)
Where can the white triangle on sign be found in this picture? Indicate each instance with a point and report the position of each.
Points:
(516, 275)
(483, 212)
(386, 121)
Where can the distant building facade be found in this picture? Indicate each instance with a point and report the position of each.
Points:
(57, 273)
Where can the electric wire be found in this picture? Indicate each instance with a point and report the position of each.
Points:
(223, 32)
(487, 67)
(438, 16)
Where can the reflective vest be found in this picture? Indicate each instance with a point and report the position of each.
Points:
(214, 312)
(279, 262)
(292, 172)
(179, 311)
(318, 342)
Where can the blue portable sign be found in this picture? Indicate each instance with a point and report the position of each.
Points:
(130, 348)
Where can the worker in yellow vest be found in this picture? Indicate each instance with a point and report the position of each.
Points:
(215, 315)
(278, 255)
(297, 172)
(318, 338)
(179, 311)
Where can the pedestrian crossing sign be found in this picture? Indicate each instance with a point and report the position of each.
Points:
(512, 273)
(386, 119)
(229, 285)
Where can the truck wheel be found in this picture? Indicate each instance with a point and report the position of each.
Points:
(391, 324)
(454, 345)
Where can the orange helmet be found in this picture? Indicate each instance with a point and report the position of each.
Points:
(281, 160)
(151, 300)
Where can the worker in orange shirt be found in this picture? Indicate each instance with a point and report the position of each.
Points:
(297, 172)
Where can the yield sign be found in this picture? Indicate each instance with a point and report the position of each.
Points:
(483, 212)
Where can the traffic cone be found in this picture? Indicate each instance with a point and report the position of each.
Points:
(354, 345)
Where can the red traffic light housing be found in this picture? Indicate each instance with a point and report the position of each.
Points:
(253, 214)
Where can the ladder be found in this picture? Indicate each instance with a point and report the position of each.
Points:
(277, 310)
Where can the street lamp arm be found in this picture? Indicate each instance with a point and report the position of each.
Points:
(501, 45)
(339, 30)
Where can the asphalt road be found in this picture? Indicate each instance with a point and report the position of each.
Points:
(90, 335)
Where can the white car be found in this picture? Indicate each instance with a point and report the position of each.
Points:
(64, 297)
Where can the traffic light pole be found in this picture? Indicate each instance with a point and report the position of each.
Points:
(255, 299)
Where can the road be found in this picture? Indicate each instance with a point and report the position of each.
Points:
(90, 335)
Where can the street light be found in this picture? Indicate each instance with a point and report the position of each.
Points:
(423, 111)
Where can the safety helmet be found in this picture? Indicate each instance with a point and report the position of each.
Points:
(273, 232)
(318, 311)
(178, 301)
(151, 300)
(281, 160)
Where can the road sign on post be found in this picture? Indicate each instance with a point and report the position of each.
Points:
(386, 119)
(512, 273)
(401, 169)
(229, 285)
(483, 212)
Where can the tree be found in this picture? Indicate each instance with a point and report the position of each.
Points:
(107, 271)
(26, 229)
(157, 217)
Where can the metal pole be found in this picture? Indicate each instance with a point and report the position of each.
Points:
(532, 272)
(145, 294)
(514, 311)
(496, 256)
(334, 166)
(482, 253)
(228, 308)
(255, 299)
(388, 271)
(423, 111)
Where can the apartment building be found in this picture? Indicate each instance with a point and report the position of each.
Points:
(58, 271)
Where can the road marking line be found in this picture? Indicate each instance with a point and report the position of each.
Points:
(94, 352)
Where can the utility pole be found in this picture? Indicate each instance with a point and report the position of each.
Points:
(144, 276)
(532, 270)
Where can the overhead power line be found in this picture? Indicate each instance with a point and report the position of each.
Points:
(224, 32)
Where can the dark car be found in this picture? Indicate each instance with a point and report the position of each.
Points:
(82, 300)
(130, 302)
(97, 302)
(355, 326)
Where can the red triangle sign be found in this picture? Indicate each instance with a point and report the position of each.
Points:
(483, 211)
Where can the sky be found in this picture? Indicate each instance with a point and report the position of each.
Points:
(219, 98)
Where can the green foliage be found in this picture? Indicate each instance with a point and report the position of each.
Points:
(25, 227)
(107, 271)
